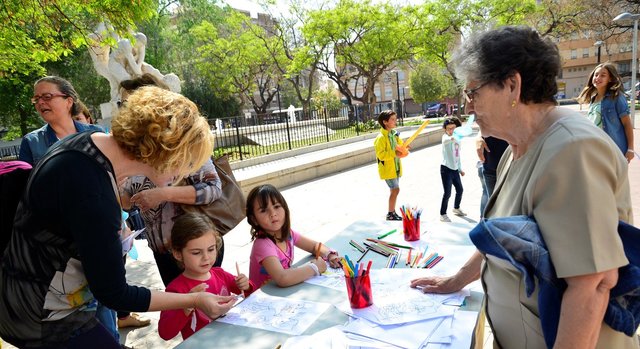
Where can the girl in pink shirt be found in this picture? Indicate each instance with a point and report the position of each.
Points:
(194, 244)
(274, 241)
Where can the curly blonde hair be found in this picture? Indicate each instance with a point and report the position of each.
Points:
(164, 130)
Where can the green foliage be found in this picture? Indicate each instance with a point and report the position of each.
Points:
(17, 114)
(34, 32)
(363, 38)
(325, 98)
(430, 83)
(236, 61)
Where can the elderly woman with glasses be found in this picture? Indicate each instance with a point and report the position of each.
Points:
(560, 170)
(65, 252)
(56, 101)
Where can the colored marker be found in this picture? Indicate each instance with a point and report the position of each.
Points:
(387, 234)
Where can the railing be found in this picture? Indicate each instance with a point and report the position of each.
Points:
(262, 134)
(244, 137)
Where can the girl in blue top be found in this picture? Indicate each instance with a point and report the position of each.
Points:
(608, 107)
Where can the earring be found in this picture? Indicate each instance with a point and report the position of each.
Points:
(513, 104)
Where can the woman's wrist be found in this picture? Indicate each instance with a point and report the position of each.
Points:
(629, 150)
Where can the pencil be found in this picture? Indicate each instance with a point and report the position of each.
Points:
(317, 249)
(237, 268)
(436, 261)
(409, 257)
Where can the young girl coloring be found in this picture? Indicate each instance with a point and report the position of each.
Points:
(450, 169)
(194, 244)
(274, 242)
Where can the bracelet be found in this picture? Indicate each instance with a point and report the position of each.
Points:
(195, 301)
(315, 268)
(630, 151)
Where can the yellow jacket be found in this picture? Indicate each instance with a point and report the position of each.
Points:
(386, 156)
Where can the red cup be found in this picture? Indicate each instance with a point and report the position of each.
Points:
(359, 291)
(411, 229)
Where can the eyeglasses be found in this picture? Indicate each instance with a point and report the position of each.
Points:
(470, 94)
(47, 97)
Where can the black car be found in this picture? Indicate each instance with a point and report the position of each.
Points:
(437, 110)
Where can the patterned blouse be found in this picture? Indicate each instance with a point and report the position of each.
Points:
(159, 220)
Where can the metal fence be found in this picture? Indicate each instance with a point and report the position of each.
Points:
(243, 137)
(252, 135)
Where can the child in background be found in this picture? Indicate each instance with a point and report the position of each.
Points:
(194, 244)
(389, 166)
(450, 169)
(274, 241)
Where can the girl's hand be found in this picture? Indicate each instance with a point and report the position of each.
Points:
(322, 265)
(242, 282)
(198, 288)
(213, 305)
(334, 260)
(148, 199)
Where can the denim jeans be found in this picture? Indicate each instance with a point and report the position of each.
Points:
(107, 318)
(450, 177)
(488, 184)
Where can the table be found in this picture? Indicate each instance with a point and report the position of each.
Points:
(229, 336)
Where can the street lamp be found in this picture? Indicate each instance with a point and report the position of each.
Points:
(623, 17)
(399, 107)
(404, 98)
(598, 44)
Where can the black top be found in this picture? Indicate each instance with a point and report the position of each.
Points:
(492, 158)
(66, 229)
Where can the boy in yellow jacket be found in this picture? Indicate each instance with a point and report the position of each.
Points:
(389, 166)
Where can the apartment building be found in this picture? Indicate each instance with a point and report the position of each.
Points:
(579, 54)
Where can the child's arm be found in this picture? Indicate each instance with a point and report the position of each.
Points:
(318, 249)
(173, 321)
(289, 277)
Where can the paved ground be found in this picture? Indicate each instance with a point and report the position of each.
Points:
(323, 207)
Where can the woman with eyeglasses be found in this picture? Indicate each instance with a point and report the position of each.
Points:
(65, 252)
(56, 101)
(560, 172)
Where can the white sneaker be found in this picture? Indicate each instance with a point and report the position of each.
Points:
(458, 212)
(444, 218)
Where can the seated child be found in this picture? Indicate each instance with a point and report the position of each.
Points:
(274, 241)
(194, 244)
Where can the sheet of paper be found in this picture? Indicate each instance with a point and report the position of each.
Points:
(278, 314)
(409, 336)
(462, 328)
(334, 281)
(127, 242)
(330, 338)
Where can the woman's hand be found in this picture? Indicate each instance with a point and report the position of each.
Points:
(148, 199)
(462, 173)
(437, 284)
(629, 155)
(213, 305)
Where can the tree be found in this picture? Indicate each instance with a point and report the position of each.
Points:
(356, 42)
(429, 83)
(236, 61)
(34, 32)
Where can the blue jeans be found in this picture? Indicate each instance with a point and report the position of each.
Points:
(107, 318)
(450, 177)
(488, 185)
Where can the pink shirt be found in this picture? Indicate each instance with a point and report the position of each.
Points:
(174, 321)
(263, 248)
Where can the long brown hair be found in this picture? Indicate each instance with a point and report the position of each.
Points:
(615, 85)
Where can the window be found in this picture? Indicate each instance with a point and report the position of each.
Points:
(585, 52)
(376, 91)
(624, 67)
(388, 93)
(574, 53)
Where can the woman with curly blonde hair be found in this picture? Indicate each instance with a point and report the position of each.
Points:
(65, 252)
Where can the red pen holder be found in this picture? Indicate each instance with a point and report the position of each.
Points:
(411, 229)
(359, 291)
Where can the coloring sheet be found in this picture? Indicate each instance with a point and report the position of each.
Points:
(395, 302)
(334, 281)
(278, 314)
